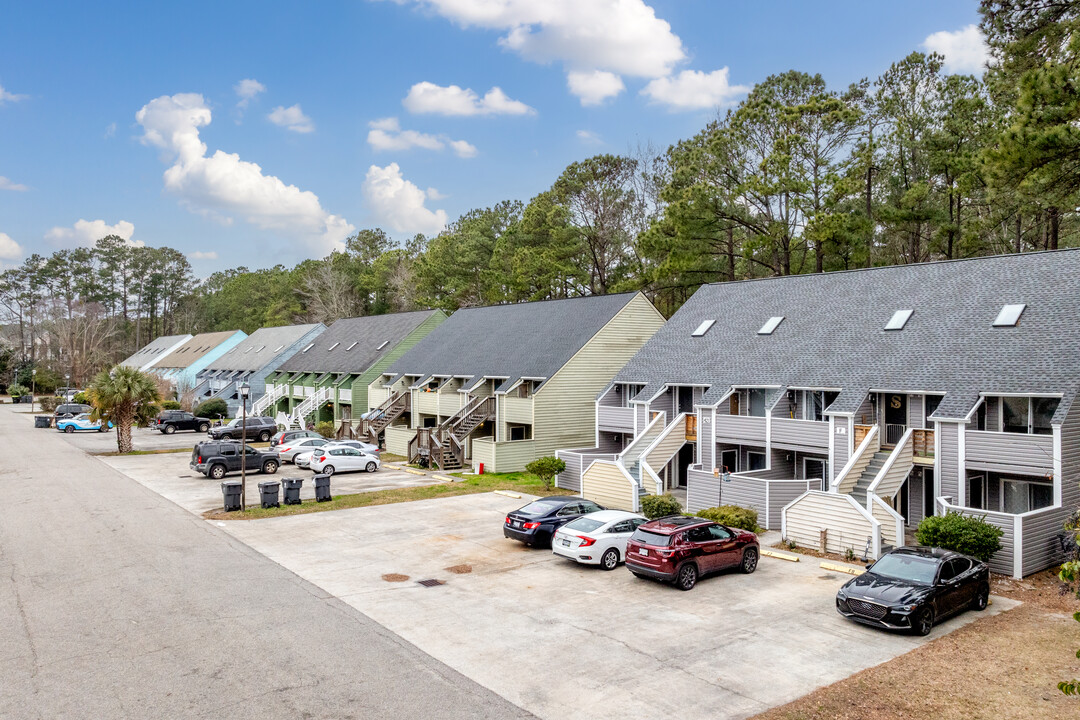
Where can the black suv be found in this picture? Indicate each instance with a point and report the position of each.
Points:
(169, 421)
(256, 428)
(287, 435)
(68, 410)
(215, 459)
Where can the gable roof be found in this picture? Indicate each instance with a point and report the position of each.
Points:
(354, 344)
(531, 340)
(261, 347)
(194, 349)
(833, 332)
(154, 350)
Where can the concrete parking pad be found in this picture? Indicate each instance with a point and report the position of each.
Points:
(141, 438)
(169, 475)
(566, 641)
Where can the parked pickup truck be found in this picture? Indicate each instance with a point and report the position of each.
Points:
(217, 458)
(169, 421)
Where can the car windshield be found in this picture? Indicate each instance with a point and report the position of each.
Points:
(538, 508)
(584, 525)
(650, 538)
(234, 422)
(909, 568)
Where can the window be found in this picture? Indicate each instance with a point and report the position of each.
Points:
(703, 328)
(1021, 496)
(1014, 414)
(1030, 415)
(570, 509)
(976, 496)
(898, 320)
(756, 460)
(770, 325)
(757, 402)
(520, 432)
(813, 405)
(699, 534)
(228, 450)
(1009, 315)
(718, 533)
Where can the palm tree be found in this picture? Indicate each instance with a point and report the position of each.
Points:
(123, 396)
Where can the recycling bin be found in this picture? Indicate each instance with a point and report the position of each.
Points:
(292, 490)
(322, 488)
(230, 490)
(268, 493)
(42, 421)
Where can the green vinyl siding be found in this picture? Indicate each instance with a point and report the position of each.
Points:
(362, 381)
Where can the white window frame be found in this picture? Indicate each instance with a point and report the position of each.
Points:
(764, 458)
(1029, 483)
(1030, 412)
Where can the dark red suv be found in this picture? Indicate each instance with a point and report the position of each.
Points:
(681, 549)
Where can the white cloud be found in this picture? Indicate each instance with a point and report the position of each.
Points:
(6, 96)
(965, 50)
(200, 255)
(292, 118)
(246, 90)
(434, 194)
(223, 183)
(398, 203)
(88, 232)
(427, 97)
(9, 249)
(694, 90)
(6, 184)
(589, 137)
(110, 130)
(386, 134)
(593, 88)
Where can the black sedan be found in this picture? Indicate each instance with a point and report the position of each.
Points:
(911, 588)
(535, 523)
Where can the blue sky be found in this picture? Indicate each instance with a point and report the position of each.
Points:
(133, 117)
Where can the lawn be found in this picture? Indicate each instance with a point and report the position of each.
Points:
(468, 485)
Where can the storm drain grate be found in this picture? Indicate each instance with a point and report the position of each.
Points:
(430, 582)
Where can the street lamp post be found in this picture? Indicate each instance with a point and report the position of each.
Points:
(245, 390)
(33, 388)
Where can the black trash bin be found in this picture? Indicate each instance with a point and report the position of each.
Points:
(292, 490)
(42, 421)
(268, 493)
(322, 488)
(230, 489)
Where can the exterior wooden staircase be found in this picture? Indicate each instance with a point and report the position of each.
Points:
(444, 445)
(388, 412)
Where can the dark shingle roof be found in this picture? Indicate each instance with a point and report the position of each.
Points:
(511, 341)
(153, 350)
(331, 350)
(260, 348)
(832, 334)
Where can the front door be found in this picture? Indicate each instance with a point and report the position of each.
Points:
(928, 492)
(683, 461)
(729, 461)
(686, 399)
(895, 417)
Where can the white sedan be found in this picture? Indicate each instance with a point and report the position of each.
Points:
(303, 458)
(334, 459)
(289, 449)
(598, 538)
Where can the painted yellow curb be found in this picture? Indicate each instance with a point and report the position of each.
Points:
(850, 570)
(414, 471)
(781, 556)
(508, 494)
(443, 478)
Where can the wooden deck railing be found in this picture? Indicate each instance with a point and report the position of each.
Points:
(860, 433)
(922, 443)
(691, 428)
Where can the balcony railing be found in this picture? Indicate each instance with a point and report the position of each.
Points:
(740, 428)
(691, 428)
(922, 443)
(1009, 452)
(800, 433)
(860, 433)
(615, 419)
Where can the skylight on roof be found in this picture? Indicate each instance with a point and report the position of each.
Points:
(703, 328)
(247, 350)
(308, 348)
(771, 325)
(332, 346)
(1009, 315)
(384, 344)
(261, 348)
(899, 320)
(278, 348)
(352, 346)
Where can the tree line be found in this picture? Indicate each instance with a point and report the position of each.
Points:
(800, 177)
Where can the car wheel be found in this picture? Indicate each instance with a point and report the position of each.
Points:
(217, 472)
(982, 599)
(264, 436)
(69, 429)
(371, 467)
(226, 436)
(270, 467)
(203, 427)
(170, 429)
(687, 578)
(328, 470)
(103, 428)
(749, 561)
(610, 559)
(924, 622)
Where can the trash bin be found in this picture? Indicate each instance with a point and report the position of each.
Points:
(481, 470)
(292, 490)
(322, 488)
(28, 399)
(42, 421)
(230, 489)
(268, 493)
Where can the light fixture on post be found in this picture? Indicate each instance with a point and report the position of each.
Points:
(245, 390)
(33, 387)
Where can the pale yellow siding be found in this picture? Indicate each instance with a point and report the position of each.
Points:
(517, 410)
(667, 445)
(873, 444)
(502, 456)
(397, 439)
(426, 402)
(889, 531)
(564, 409)
(833, 512)
(483, 451)
(898, 472)
(606, 483)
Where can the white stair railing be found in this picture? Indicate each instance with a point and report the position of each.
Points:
(311, 402)
(268, 399)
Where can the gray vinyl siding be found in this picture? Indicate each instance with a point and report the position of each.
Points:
(783, 464)
(1002, 561)
(865, 414)
(949, 463)
(915, 498)
(702, 490)
(570, 478)
(642, 416)
(840, 446)
(993, 413)
(1070, 457)
(1009, 452)
(916, 411)
(1041, 546)
(613, 397)
(781, 494)
(803, 435)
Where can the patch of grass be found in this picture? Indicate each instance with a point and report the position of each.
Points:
(391, 457)
(469, 485)
(162, 451)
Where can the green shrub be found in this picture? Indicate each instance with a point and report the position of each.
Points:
(732, 516)
(953, 531)
(81, 398)
(326, 429)
(213, 409)
(658, 506)
(18, 390)
(546, 468)
(49, 404)
(170, 405)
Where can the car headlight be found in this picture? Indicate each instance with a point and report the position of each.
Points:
(903, 609)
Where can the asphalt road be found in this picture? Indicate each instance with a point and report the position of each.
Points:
(117, 603)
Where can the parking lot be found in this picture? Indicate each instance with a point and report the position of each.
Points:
(142, 438)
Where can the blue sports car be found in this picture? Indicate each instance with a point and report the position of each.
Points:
(81, 422)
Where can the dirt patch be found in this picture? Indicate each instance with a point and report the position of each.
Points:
(395, 577)
(835, 557)
(460, 569)
(1041, 589)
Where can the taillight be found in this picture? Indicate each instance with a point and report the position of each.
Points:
(531, 525)
(285, 449)
(586, 541)
(199, 461)
(507, 519)
(322, 459)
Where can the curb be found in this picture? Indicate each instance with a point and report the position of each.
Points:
(780, 556)
(507, 493)
(849, 569)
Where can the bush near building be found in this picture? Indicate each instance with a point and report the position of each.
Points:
(969, 535)
(732, 516)
(213, 409)
(658, 506)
